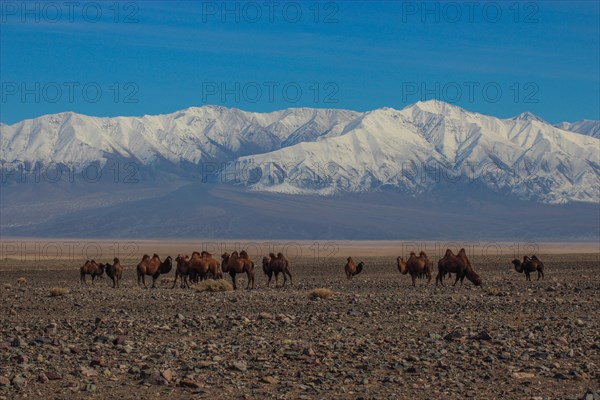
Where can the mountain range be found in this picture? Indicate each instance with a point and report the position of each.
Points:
(431, 159)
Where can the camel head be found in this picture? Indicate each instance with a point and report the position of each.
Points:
(266, 260)
(518, 265)
(225, 256)
(349, 259)
(179, 259)
(473, 277)
(116, 261)
(402, 266)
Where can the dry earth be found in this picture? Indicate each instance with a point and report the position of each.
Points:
(375, 338)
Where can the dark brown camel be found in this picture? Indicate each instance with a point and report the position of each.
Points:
(276, 265)
(528, 266)
(237, 264)
(154, 267)
(353, 269)
(91, 268)
(114, 272)
(458, 264)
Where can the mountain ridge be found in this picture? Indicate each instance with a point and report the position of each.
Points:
(325, 151)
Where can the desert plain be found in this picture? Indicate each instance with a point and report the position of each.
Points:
(372, 337)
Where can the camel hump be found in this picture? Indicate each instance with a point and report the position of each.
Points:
(272, 255)
(412, 254)
(116, 260)
(448, 253)
(422, 254)
(243, 254)
(279, 255)
(533, 257)
(526, 258)
(349, 259)
(462, 252)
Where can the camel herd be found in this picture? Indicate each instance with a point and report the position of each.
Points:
(201, 266)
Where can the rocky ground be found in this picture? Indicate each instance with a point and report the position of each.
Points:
(376, 337)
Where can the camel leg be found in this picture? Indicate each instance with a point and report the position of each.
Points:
(93, 277)
(175, 281)
(250, 276)
(269, 281)
(276, 279)
(232, 274)
(413, 277)
(456, 281)
(286, 272)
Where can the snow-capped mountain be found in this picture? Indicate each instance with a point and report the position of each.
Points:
(585, 127)
(423, 147)
(194, 135)
(430, 145)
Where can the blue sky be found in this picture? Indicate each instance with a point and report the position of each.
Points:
(150, 57)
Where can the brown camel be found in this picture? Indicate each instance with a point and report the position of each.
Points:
(182, 271)
(114, 272)
(528, 266)
(91, 268)
(214, 265)
(417, 267)
(237, 264)
(458, 264)
(154, 267)
(353, 269)
(199, 267)
(276, 265)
